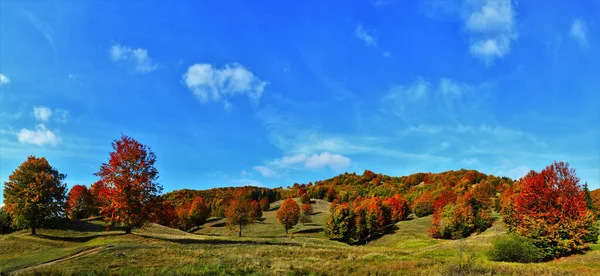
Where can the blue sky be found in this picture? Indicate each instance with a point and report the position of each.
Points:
(232, 93)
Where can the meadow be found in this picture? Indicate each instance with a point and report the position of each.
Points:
(87, 247)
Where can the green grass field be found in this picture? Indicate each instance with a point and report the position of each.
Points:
(86, 248)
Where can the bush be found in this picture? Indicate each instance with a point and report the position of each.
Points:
(305, 198)
(513, 248)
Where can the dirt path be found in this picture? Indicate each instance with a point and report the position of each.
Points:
(80, 254)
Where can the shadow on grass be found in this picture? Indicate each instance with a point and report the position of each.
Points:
(217, 241)
(220, 224)
(77, 239)
(213, 219)
(309, 231)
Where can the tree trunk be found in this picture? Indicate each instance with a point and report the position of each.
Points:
(240, 231)
(33, 230)
(286, 229)
(127, 229)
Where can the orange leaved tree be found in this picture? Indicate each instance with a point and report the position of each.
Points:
(239, 214)
(288, 214)
(34, 193)
(199, 213)
(128, 184)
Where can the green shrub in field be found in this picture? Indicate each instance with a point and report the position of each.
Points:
(513, 248)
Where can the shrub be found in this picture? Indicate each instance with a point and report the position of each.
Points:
(513, 248)
(305, 198)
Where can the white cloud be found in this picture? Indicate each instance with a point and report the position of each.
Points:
(363, 35)
(42, 113)
(39, 136)
(317, 161)
(138, 57)
(211, 84)
(4, 79)
(579, 32)
(491, 27)
(387, 54)
(266, 172)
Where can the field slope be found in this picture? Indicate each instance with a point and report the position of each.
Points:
(85, 247)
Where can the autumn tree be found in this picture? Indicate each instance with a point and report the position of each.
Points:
(128, 184)
(184, 221)
(164, 213)
(288, 214)
(80, 203)
(305, 198)
(423, 206)
(239, 214)
(264, 204)
(34, 194)
(256, 210)
(398, 206)
(198, 213)
(550, 210)
(307, 209)
(340, 224)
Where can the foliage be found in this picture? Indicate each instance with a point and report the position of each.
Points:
(5, 221)
(360, 221)
(217, 199)
(550, 210)
(128, 184)
(423, 206)
(256, 210)
(398, 206)
(513, 248)
(34, 194)
(288, 214)
(80, 203)
(198, 213)
(239, 214)
(307, 209)
(595, 195)
(457, 218)
(264, 204)
(164, 213)
(305, 198)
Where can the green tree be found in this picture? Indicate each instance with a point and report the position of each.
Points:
(34, 194)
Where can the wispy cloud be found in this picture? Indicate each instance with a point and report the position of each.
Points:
(4, 79)
(365, 36)
(138, 58)
(209, 83)
(317, 161)
(42, 27)
(265, 171)
(491, 28)
(579, 32)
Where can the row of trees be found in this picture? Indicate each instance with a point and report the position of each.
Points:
(361, 220)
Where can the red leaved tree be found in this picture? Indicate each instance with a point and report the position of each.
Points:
(398, 206)
(550, 209)
(128, 184)
(288, 214)
(80, 203)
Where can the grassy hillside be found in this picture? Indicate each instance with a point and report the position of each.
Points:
(85, 247)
